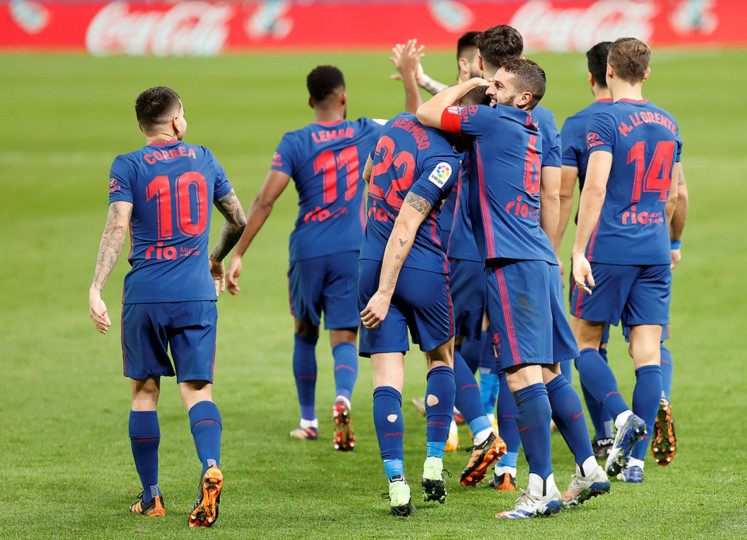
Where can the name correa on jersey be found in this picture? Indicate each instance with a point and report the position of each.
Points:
(409, 157)
(504, 181)
(645, 143)
(325, 161)
(172, 187)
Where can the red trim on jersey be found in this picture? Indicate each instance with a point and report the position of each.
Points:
(591, 242)
(508, 315)
(487, 224)
(604, 100)
(163, 143)
(450, 121)
(330, 123)
(644, 100)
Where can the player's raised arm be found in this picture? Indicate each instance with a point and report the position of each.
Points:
(259, 211)
(412, 214)
(110, 246)
(230, 206)
(407, 61)
(430, 112)
(589, 209)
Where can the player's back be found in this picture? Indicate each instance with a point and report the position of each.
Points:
(573, 138)
(409, 154)
(645, 144)
(325, 161)
(551, 144)
(505, 168)
(462, 244)
(172, 187)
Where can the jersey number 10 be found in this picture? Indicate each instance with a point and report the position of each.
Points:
(188, 187)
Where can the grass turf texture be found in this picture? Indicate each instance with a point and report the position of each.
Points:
(68, 467)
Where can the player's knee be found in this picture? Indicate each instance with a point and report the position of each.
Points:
(306, 328)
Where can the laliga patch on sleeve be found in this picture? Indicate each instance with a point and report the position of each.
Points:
(440, 174)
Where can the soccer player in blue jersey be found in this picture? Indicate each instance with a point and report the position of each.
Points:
(575, 159)
(403, 284)
(622, 248)
(525, 303)
(163, 193)
(325, 160)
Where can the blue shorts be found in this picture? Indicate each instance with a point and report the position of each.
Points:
(325, 284)
(421, 302)
(633, 294)
(187, 328)
(470, 296)
(527, 318)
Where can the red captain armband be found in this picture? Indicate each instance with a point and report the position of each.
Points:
(451, 119)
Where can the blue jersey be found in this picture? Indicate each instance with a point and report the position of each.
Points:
(325, 161)
(504, 181)
(645, 143)
(446, 219)
(551, 147)
(172, 187)
(462, 244)
(573, 137)
(409, 157)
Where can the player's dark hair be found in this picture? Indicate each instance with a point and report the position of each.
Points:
(155, 106)
(476, 96)
(597, 60)
(528, 77)
(322, 81)
(500, 43)
(630, 58)
(468, 40)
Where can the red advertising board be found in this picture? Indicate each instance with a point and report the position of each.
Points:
(199, 27)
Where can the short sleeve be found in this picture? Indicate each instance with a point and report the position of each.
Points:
(439, 176)
(678, 150)
(470, 120)
(569, 140)
(551, 147)
(284, 158)
(120, 181)
(600, 133)
(222, 185)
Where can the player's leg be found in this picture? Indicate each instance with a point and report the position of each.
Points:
(489, 382)
(305, 284)
(663, 438)
(504, 475)
(645, 350)
(192, 334)
(145, 436)
(341, 317)
(600, 419)
(145, 354)
(567, 411)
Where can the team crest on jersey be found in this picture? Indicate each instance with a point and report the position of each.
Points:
(277, 160)
(440, 174)
(113, 185)
(454, 109)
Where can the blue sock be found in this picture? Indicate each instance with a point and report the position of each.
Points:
(566, 368)
(346, 368)
(568, 415)
(489, 385)
(467, 398)
(534, 428)
(394, 467)
(509, 431)
(646, 397)
(598, 416)
(599, 380)
(145, 434)
(603, 354)
(390, 428)
(304, 370)
(207, 427)
(470, 350)
(442, 387)
(667, 370)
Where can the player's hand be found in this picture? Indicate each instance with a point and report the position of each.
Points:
(218, 270)
(97, 312)
(376, 309)
(676, 257)
(234, 271)
(581, 269)
(406, 60)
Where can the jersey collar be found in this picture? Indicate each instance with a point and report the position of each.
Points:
(163, 143)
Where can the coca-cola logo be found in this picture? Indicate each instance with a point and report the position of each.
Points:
(545, 27)
(186, 29)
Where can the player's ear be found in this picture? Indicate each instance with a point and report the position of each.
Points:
(648, 72)
(343, 97)
(610, 71)
(141, 128)
(524, 100)
(463, 65)
(479, 61)
(311, 103)
(591, 79)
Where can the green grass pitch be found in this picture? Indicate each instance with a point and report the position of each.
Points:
(66, 465)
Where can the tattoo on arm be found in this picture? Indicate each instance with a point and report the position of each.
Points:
(418, 203)
(230, 206)
(112, 241)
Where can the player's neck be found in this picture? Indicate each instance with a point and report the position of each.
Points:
(328, 116)
(600, 93)
(625, 90)
(160, 137)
